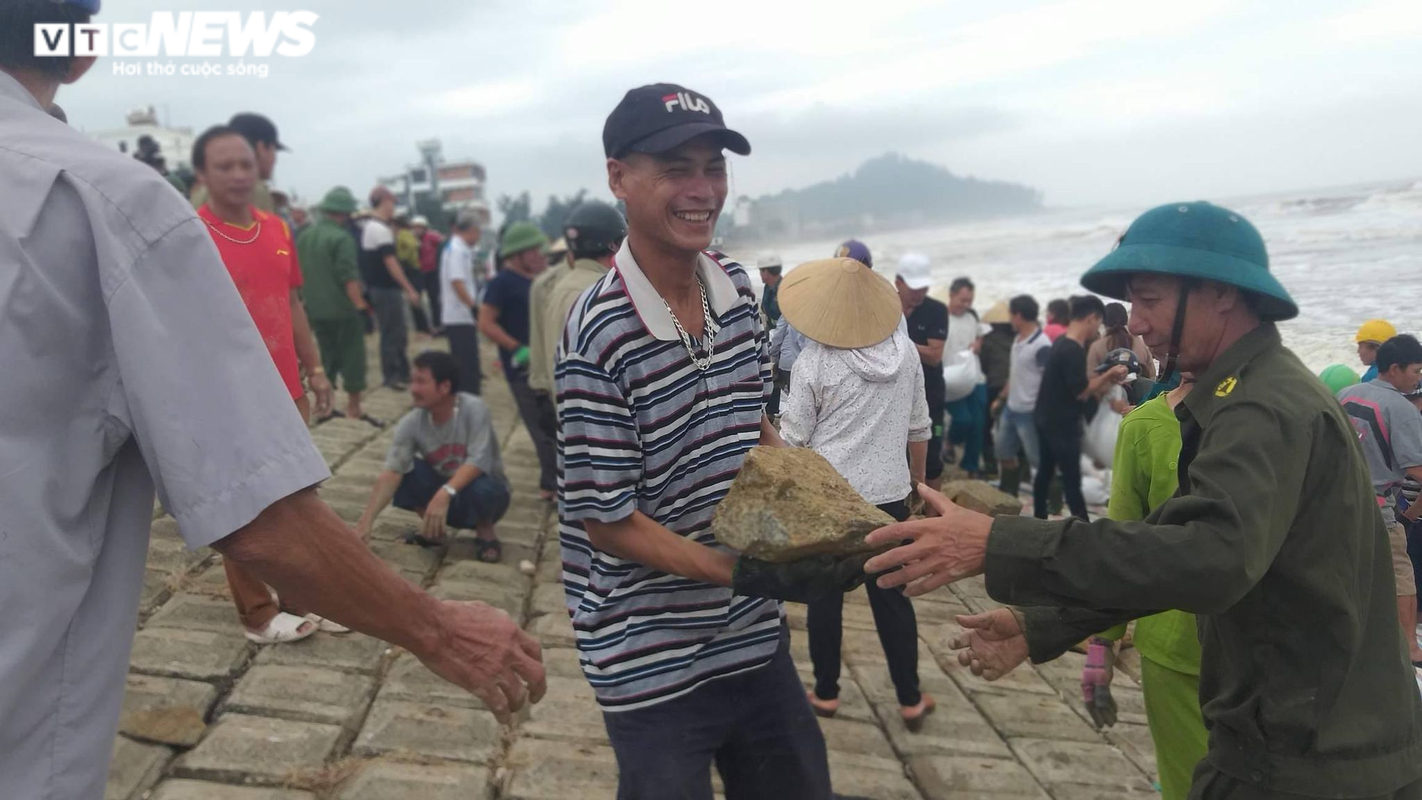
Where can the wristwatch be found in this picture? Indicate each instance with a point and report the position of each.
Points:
(450, 490)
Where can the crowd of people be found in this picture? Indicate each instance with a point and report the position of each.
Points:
(1255, 528)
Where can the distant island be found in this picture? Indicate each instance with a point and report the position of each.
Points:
(891, 191)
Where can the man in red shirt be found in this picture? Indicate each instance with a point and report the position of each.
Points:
(257, 249)
(431, 242)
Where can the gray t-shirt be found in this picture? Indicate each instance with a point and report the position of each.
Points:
(127, 362)
(1389, 428)
(468, 438)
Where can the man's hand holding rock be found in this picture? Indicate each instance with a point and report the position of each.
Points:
(943, 549)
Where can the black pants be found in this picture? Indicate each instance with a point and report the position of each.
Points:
(1211, 784)
(935, 392)
(756, 727)
(545, 442)
(430, 282)
(394, 334)
(464, 347)
(548, 422)
(485, 500)
(1061, 451)
(895, 621)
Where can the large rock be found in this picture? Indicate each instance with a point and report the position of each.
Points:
(983, 498)
(789, 503)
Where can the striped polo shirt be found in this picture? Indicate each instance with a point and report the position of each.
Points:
(642, 429)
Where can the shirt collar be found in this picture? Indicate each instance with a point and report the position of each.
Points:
(720, 292)
(1219, 380)
(11, 88)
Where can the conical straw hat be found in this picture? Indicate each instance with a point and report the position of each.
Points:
(839, 302)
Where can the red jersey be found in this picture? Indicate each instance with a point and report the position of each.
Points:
(262, 262)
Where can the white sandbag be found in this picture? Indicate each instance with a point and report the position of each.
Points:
(1099, 440)
(962, 375)
(1096, 491)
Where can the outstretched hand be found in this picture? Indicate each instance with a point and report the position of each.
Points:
(991, 644)
(483, 651)
(943, 549)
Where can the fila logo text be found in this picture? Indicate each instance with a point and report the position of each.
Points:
(688, 102)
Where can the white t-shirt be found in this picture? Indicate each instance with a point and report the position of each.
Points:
(1029, 359)
(457, 264)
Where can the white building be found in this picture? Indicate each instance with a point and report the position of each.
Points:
(176, 144)
(458, 184)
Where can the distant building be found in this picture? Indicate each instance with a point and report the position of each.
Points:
(459, 185)
(176, 144)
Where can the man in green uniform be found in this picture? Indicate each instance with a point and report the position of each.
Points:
(1274, 539)
(332, 295)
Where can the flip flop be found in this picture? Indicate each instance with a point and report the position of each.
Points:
(915, 723)
(327, 626)
(824, 709)
(369, 420)
(489, 551)
(333, 415)
(283, 628)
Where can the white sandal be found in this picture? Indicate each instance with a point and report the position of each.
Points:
(282, 629)
(327, 626)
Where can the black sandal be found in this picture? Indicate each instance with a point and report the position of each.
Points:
(489, 551)
(422, 540)
(372, 421)
(333, 415)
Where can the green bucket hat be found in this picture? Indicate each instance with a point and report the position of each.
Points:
(1194, 240)
(1338, 377)
(519, 237)
(338, 201)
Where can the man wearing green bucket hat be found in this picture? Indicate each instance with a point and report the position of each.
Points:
(332, 295)
(1274, 538)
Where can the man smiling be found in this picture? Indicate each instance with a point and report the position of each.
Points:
(661, 389)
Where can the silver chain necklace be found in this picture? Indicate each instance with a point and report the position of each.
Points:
(255, 234)
(702, 363)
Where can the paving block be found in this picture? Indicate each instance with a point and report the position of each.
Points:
(457, 734)
(247, 749)
(184, 653)
(1096, 765)
(1075, 792)
(542, 770)
(156, 587)
(569, 712)
(134, 768)
(303, 694)
(410, 681)
(392, 780)
(549, 598)
(507, 599)
(870, 776)
(349, 511)
(197, 613)
(853, 705)
(968, 778)
(1034, 716)
(409, 557)
(562, 662)
(553, 630)
(1136, 743)
(352, 652)
(859, 738)
(166, 710)
(173, 556)
(954, 728)
(465, 548)
(505, 574)
(202, 790)
(164, 528)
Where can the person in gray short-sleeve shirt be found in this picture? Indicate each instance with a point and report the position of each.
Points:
(129, 363)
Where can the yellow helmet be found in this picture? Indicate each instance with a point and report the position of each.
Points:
(1376, 330)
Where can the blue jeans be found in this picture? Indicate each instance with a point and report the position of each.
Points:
(485, 500)
(969, 425)
(1017, 431)
(757, 727)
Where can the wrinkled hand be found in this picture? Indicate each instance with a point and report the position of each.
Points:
(321, 387)
(1096, 682)
(802, 581)
(944, 549)
(482, 650)
(991, 644)
(435, 512)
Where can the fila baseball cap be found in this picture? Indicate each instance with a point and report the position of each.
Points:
(664, 116)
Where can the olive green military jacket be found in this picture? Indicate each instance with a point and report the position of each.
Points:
(1276, 542)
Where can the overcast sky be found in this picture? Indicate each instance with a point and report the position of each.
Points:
(1095, 102)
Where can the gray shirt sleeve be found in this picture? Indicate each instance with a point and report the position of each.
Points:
(1407, 437)
(480, 445)
(403, 444)
(199, 392)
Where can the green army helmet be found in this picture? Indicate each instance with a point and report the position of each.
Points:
(338, 201)
(519, 237)
(1198, 241)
